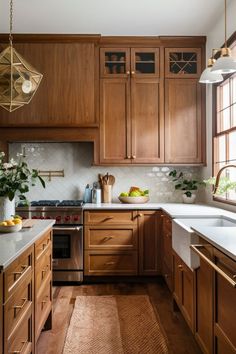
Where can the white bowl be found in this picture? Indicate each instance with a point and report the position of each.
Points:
(134, 200)
(13, 228)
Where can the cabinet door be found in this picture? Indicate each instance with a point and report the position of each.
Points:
(66, 95)
(114, 62)
(177, 277)
(145, 62)
(225, 306)
(182, 62)
(204, 305)
(147, 120)
(149, 227)
(184, 123)
(115, 121)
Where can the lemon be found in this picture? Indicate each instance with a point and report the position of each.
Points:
(17, 221)
(10, 223)
(3, 223)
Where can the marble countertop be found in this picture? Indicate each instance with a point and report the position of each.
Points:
(223, 238)
(13, 244)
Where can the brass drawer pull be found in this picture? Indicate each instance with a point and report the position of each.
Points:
(139, 215)
(107, 238)
(110, 263)
(213, 265)
(24, 267)
(108, 218)
(180, 266)
(19, 307)
(21, 349)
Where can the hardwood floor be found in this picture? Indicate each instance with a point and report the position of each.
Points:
(180, 338)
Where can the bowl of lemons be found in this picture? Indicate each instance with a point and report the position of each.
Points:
(134, 196)
(13, 224)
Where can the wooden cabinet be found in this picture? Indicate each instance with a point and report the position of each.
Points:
(184, 122)
(183, 62)
(26, 298)
(149, 228)
(204, 303)
(131, 106)
(68, 91)
(122, 242)
(18, 311)
(167, 263)
(43, 282)
(183, 291)
(225, 305)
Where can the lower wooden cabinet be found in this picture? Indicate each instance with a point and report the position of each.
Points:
(167, 261)
(122, 242)
(26, 297)
(183, 291)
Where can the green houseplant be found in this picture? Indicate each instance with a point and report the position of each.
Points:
(187, 185)
(15, 179)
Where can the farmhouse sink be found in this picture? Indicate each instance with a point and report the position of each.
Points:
(183, 236)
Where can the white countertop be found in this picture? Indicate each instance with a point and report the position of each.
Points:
(13, 244)
(175, 210)
(223, 238)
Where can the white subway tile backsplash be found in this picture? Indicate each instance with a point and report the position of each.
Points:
(76, 160)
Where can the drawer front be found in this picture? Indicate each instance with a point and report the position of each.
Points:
(17, 271)
(43, 268)
(22, 338)
(109, 217)
(42, 243)
(110, 238)
(17, 305)
(43, 306)
(111, 263)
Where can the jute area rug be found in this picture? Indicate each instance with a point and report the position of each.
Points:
(114, 325)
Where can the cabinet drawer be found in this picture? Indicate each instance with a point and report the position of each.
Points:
(109, 217)
(43, 268)
(17, 272)
(21, 338)
(43, 305)
(111, 263)
(41, 244)
(17, 305)
(110, 238)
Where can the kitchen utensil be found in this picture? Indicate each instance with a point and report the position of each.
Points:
(111, 180)
(107, 193)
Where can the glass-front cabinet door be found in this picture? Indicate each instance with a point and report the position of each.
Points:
(182, 62)
(145, 62)
(114, 62)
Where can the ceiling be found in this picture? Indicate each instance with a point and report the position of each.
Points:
(112, 17)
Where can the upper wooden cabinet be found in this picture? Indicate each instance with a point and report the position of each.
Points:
(183, 62)
(123, 62)
(184, 122)
(67, 93)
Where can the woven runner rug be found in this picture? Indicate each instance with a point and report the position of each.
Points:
(114, 325)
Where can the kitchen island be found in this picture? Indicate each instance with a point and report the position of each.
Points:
(25, 286)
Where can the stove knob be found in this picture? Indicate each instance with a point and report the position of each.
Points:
(42, 217)
(67, 218)
(34, 217)
(48, 217)
(58, 218)
(76, 218)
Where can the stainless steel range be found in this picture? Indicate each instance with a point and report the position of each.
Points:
(67, 235)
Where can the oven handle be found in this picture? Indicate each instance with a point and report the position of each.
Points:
(77, 228)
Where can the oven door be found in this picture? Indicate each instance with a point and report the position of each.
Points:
(68, 253)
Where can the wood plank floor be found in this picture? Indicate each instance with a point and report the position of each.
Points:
(180, 338)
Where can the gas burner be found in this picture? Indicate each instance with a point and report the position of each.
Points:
(45, 203)
(72, 203)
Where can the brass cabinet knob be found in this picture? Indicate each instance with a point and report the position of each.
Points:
(132, 72)
(133, 157)
(180, 266)
(140, 215)
(128, 157)
(128, 72)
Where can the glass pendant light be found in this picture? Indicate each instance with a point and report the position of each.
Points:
(226, 64)
(208, 76)
(18, 79)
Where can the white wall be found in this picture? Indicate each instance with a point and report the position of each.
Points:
(215, 39)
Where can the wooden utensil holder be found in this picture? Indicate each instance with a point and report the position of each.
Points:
(106, 193)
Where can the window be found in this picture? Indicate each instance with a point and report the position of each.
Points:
(224, 141)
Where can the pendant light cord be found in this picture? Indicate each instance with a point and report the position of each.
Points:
(225, 24)
(11, 22)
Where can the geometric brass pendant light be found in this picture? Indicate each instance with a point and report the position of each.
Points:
(18, 79)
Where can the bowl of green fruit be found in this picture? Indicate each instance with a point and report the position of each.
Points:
(134, 196)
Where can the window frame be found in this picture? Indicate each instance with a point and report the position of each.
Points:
(230, 42)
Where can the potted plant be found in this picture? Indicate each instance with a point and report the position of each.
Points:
(187, 185)
(15, 179)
